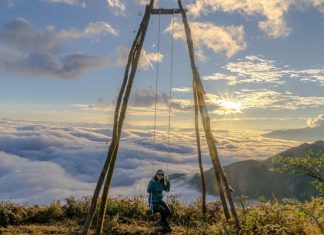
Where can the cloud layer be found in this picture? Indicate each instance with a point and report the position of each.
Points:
(43, 162)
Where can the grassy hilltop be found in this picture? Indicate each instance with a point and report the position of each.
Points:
(128, 216)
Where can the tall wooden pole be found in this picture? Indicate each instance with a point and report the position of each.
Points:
(206, 123)
(202, 176)
(201, 104)
(137, 53)
(112, 148)
(116, 132)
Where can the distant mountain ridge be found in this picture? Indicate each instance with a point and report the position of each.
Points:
(255, 178)
(302, 134)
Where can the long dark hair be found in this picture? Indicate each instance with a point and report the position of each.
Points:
(157, 172)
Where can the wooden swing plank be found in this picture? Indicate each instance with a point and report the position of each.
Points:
(162, 11)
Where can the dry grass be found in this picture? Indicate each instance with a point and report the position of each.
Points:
(128, 216)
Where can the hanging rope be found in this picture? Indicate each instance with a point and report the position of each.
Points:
(156, 85)
(170, 102)
(170, 90)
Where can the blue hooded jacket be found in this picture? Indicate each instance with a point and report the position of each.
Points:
(155, 189)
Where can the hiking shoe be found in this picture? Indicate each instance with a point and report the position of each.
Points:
(166, 227)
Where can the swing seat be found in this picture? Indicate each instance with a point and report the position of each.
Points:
(150, 210)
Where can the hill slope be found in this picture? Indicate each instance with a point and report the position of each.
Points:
(256, 178)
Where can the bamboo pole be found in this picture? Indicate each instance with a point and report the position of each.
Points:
(200, 104)
(137, 53)
(113, 145)
(206, 123)
(216, 162)
(202, 176)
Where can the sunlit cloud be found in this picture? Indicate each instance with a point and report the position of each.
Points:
(269, 99)
(317, 121)
(182, 89)
(318, 4)
(142, 102)
(146, 60)
(231, 80)
(220, 39)
(261, 99)
(255, 69)
(223, 104)
(274, 25)
(308, 75)
(231, 106)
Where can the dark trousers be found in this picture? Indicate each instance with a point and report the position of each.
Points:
(164, 210)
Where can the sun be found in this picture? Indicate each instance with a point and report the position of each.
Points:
(230, 106)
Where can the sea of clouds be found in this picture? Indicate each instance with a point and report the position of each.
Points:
(42, 162)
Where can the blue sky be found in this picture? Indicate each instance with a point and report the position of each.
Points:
(261, 62)
(62, 64)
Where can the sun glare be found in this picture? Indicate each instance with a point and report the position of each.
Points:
(230, 106)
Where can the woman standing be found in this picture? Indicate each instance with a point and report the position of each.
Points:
(155, 188)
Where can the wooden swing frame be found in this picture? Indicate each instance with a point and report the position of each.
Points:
(120, 114)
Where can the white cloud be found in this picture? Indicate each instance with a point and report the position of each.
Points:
(45, 162)
(231, 80)
(68, 2)
(182, 89)
(146, 60)
(95, 30)
(23, 180)
(146, 2)
(220, 39)
(319, 4)
(91, 31)
(26, 50)
(269, 99)
(274, 11)
(309, 75)
(256, 69)
(317, 121)
(118, 7)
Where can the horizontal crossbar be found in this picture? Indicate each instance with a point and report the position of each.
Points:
(163, 11)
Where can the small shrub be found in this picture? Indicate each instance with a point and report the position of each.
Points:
(76, 209)
(52, 213)
(11, 214)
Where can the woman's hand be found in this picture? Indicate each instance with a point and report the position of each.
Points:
(166, 178)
